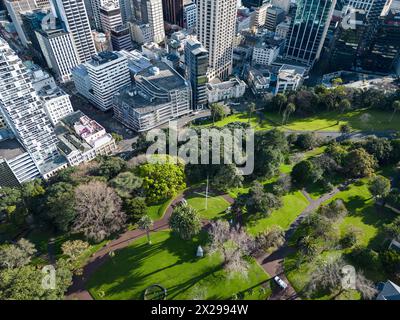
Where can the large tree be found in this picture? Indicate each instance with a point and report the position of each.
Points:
(233, 244)
(162, 181)
(379, 187)
(60, 207)
(359, 163)
(25, 283)
(110, 166)
(227, 177)
(16, 255)
(135, 208)
(98, 210)
(185, 221)
(261, 202)
(126, 183)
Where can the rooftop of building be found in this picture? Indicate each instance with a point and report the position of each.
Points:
(77, 131)
(53, 164)
(49, 92)
(132, 97)
(224, 85)
(10, 149)
(162, 76)
(103, 58)
(136, 60)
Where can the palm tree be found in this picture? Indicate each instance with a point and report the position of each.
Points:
(290, 108)
(280, 99)
(252, 109)
(396, 107)
(145, 223)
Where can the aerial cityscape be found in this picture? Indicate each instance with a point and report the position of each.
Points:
(226, 150)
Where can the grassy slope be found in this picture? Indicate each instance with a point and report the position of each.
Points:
(362, 214)
(172, 263)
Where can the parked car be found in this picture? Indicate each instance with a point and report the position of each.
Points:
(282, 284)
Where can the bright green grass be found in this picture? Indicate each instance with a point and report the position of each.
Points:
(324, 121)
(243, 117)
(363, 215)
(216, 205)
(293, 204)
(171, 262)
(156, 211)
(328, 121)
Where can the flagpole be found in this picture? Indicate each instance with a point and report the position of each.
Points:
(207, 193)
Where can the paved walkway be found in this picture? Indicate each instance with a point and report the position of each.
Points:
(78, 289)
(273, 262)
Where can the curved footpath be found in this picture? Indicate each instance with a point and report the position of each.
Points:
(272, 263)
(78, 289)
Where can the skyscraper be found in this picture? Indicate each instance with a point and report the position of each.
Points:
(148, 21)
(216, 23)
(110, 15)
(196, 60)
(75, 20)
(173, 11)
(22, 109)
(308, 30)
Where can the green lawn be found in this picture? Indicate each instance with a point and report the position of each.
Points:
(216, 205)
(157, 211)
(172, 263)
(363, 215)
(293, 204)
(359, 120)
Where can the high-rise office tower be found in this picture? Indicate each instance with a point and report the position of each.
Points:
(17, 7)
(308, 30)
(216, 23)
(59, 51)
(101, 77)
(148, 21)
(121, 39)
(383, 54)
(73, 15)
(196, 60)
(22, 109)
(274, 17)
(173, 11)
(110, 15)
(126, 10)
(372, 8)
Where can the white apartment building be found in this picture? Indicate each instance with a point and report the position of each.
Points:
(159, 95)
(57, 104)
(265, 54)
(155, 19)
(110, 16)
(82, 139)
(216, 23)
(101, 77)
(220, 91)
(74, 16)
(22, 109)
(290, 78)
(59, 51)
(260, 15)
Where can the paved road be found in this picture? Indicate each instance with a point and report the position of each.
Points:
(273, 262)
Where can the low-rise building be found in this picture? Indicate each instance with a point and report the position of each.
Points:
(282, 29)
(219, 91)
(267, 50)
(159, 95)
(16, 165)
(275, 79)
(56, 102)
(82, 139)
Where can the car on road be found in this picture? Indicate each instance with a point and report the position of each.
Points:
(282, 284)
